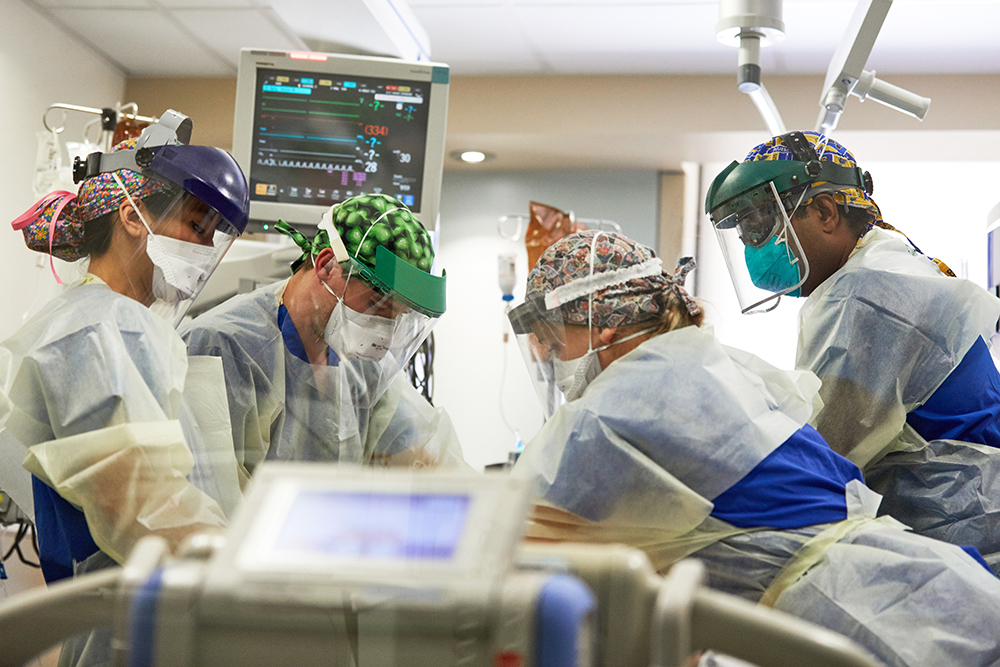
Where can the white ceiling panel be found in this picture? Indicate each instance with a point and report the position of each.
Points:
(157, 46)
(201, 37)
(325, 25)
(206, 4)
(435, 4)
(479, 40)
(939, 37)
(620, 29)
(97, 4)
(227, 31)
(556, 3)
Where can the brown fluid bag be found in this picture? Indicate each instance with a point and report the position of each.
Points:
(127, 128)
(546, 225)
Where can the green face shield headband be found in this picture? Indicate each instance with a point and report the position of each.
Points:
(415, 288)
(738, 187)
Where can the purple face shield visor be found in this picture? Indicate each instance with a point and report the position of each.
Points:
(207, 173)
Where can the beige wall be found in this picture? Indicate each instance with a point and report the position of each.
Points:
(670, 226)
(646, 122)
(208, 102)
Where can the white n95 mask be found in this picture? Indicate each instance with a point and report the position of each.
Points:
(357, 336)
(180, 268)
(573, 376)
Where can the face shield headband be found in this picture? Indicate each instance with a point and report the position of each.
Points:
(753, 224)
(162, 153)
(391, 275)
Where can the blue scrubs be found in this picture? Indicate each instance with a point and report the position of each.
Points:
(967, 404)
(949, 489)
(63, 535)
(801, 483)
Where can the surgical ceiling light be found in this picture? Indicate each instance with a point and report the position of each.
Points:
(749, 25)
(847, 76)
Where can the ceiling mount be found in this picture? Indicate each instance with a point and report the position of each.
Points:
(749, 25)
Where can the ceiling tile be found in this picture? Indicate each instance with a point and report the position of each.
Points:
(226, 31)
(343, 25)
(95, 4)
(938, 37)
(536, 36)
(478, 40)
(156, 47)
(605, 38)
(206, 4)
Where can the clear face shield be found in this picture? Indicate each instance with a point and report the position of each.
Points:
(762, 252)
(545, 342)
(381, 318)
(186, 239)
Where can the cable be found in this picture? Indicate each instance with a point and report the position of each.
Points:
(24, 527)
(503, 380)
(420, 369)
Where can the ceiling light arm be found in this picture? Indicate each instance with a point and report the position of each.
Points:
(847, 76)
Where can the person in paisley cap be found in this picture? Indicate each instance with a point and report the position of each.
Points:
(97, 386)
(314, 363)
(910, 390)
(664, 439)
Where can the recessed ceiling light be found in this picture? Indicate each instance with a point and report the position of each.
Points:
(472, 157)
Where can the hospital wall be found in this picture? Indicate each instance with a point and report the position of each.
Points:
(40, 64)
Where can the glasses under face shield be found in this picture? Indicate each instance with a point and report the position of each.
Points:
(759, 244)
(374, 332)
(757, 214)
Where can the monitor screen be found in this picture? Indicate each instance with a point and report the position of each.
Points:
(314, 129)
(372, 526)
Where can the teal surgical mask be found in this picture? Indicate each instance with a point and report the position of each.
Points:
(773, 266)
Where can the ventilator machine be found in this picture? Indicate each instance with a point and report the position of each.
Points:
(328, 565)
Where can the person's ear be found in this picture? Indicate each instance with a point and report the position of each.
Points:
(329, 270)
(605, 336)
(324, 264)
(131, 222)
(828, 213)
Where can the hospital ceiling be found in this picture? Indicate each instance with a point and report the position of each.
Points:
(183, 38)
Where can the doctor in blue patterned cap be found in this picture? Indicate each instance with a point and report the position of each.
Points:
(910, 389)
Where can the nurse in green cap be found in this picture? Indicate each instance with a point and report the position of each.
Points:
(314, 363)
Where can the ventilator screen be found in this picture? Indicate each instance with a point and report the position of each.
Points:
(373, 525)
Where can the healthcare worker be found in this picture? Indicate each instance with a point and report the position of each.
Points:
(910, 390)
(676, 444)
(314, 363)
(97, 385)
